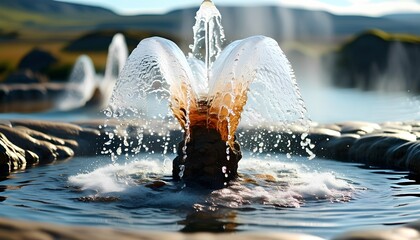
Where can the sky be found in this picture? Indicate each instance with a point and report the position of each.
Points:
(362, 7)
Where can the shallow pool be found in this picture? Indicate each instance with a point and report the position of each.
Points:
(275, 193)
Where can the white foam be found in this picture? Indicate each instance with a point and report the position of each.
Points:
(263, 182)
(118, 177)
(282, 184)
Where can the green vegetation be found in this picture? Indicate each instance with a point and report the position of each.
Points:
(5, 69)
(384, 36)
(95, 44)
(59, 72)
(53, 26)
(400, 37)
(8, 35)
(99, 40)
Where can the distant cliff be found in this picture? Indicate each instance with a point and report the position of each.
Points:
(65, 29)
(378, 60)
(54, 8)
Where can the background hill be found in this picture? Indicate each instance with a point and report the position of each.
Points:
(66, 30)
(48, 16)
(49, 7)
(378, 60)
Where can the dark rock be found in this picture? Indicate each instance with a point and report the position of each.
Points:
(375, 58)
(156, 184)
(359, 128)
(393, 145)
(32, 68)
(206, 159)
(24, 98)
(31, 158)
(25, 76)
(13, 157)
(373, 148)
(3, 94)
(37, 60)
(27, 142)
(338, 148)
(57, 129)
(85, 138)
(46, 151)
(412, 157)
(100, 40)
(44, 137)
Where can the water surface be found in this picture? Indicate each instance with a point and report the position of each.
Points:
(317, 197)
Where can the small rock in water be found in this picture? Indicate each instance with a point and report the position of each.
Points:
(266, 177)
(156, 184)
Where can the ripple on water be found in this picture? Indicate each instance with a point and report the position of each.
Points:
(318, 197)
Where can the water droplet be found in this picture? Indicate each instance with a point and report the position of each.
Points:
(181, 171)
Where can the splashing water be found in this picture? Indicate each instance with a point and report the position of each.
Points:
(251, 79)
(280, 185)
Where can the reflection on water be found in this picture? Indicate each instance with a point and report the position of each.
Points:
(364, 197)
(224, 220)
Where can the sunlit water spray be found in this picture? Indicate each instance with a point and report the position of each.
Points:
(249, 84)
(208, 37)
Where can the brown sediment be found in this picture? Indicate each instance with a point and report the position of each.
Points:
(182, 99)
(208, 155)
(221, 112)
(225, 112)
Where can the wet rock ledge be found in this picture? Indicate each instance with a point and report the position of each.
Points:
(16, 230)
(25, 143)
(393, 145)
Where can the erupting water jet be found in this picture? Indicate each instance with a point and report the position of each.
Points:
(209, 92)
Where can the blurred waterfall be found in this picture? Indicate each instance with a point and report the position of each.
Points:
(80, 87)
(117, 56)
(84, 85)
